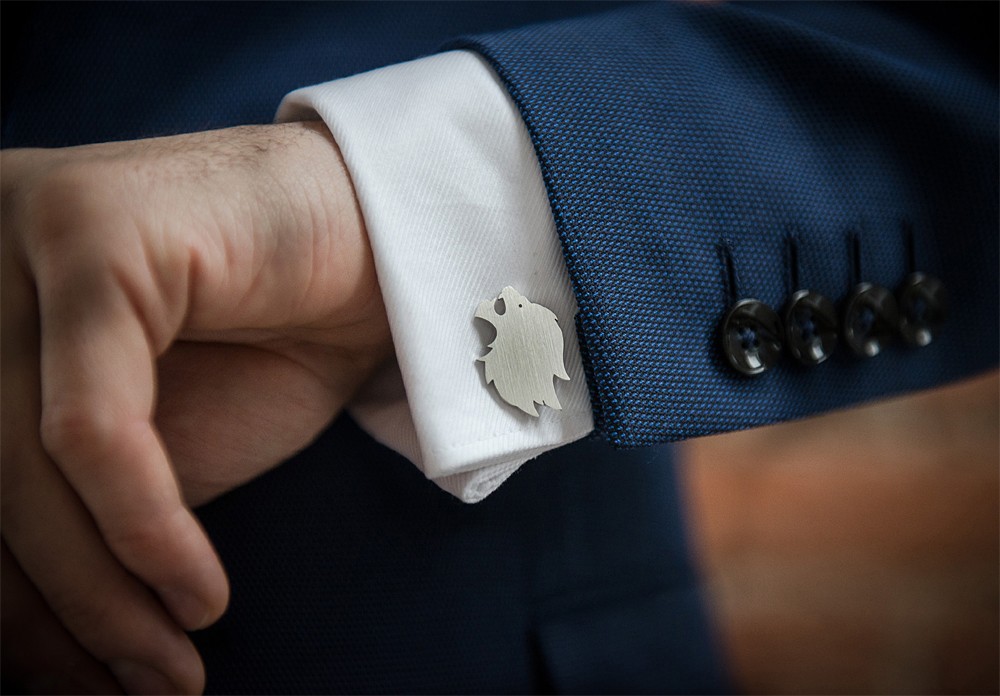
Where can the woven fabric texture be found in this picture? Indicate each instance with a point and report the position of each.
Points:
(664, 131)
(350, 572)
(725, 130)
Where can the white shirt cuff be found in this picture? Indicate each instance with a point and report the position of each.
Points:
(455, 209)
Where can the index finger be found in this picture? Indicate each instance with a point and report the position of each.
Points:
(98, 396)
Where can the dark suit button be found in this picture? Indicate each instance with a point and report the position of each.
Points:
(810, 327)
(751, 337)
(923, 307)
(870, 319)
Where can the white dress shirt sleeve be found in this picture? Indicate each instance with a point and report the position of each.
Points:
(455, 208)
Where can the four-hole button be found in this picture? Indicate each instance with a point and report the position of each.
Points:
(751, 337)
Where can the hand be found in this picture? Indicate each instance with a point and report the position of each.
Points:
(179, 314)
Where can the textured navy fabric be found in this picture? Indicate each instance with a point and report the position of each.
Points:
(349, 571)
(352, 573)
(664, 132)
(83, 72)
(673, 135)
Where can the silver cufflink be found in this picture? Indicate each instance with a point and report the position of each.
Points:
(526, 354)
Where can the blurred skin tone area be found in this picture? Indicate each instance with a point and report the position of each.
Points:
(856, 552)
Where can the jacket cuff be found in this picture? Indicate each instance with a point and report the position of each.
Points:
(708, 162)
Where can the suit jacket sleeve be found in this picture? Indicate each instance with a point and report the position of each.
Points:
(696, 155)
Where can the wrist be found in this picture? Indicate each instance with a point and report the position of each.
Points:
(347, 307)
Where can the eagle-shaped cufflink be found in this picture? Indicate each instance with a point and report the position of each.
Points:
(526, 354)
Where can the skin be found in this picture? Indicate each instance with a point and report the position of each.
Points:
(179, 315)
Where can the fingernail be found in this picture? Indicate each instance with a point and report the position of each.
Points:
(189, 610)
(140, 679)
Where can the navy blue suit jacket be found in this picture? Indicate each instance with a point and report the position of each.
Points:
(684, 149)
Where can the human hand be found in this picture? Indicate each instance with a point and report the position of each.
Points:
(179, 314)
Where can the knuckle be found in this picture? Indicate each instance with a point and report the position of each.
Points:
(107, 624)
(94, 616)
(69, 189)
(76, 202)
(146, 537)
(70, 430)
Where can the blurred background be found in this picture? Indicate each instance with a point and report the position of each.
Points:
(857, 552)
